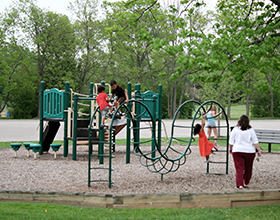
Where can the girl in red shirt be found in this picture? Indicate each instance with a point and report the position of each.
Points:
(205, 146)
(103, 102)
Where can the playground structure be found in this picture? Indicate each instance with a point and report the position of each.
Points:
(157, 160)
(56, 106)
(63, 106)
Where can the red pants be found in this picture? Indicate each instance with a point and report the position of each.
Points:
(243, 163)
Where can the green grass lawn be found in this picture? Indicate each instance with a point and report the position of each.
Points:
(237, 110)
(19, 210)
(8, 144)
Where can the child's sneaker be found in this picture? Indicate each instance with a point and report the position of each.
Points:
(118, 115)
(110, 114)
(207, 161)
(216, 146)
(103, 125)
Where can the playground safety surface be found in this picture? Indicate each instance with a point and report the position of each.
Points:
(62, 174)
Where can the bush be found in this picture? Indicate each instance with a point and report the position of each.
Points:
(24, 103)
(261, 103)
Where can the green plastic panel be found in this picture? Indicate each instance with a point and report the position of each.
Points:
(53, 106)
(148, 97)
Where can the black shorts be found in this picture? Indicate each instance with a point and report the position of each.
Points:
(121, 99)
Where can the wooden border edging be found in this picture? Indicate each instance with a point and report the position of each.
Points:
(166, 200)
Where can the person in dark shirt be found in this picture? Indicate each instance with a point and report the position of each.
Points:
(120, 92)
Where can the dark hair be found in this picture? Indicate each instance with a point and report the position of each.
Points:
(100, 88)
(113, 82)
(243, 122)
(197, 129)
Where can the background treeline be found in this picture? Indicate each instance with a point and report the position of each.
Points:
(229, 55)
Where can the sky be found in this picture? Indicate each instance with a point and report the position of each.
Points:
(59, 6)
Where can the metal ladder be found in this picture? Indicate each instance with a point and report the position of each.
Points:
(220, 151)
(101, 155)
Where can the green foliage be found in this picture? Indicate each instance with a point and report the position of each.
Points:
(18, 84)
(261, 106)
(178, 45)
(131, 42)
(24, 104)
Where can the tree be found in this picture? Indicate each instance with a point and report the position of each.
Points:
(14, 58)
(92, 58)
(23, 88)
(51, 37)
(276, 2)
(130, 42)
(185, 33)
(242, 41)
(47, 36)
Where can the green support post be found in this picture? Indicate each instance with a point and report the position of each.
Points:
(101, 137)
(114, 141)
(110, 165)
(42, 88)
(91, 96)
(75, 117)
(128, 125)
(101, 145)
(159, 102)
(137, 113)
(89, 159)
(91, 86)
(154, 122)
(66, 104)
(227, 153)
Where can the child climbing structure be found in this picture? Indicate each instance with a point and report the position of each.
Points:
(58, 106)
(155, 158)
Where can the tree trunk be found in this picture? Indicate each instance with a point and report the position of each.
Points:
(6, 101)
(228, 108)
(247, 105)
(271, 103)
(174, 100)
(182, 92)
(269, 78)
(169, 100)
(248, 84)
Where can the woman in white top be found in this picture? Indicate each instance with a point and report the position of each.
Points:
(243, 144)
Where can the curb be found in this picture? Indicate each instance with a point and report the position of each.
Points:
(166, 200)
